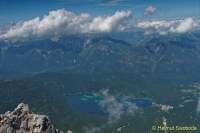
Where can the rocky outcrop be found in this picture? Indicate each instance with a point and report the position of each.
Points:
(22, 120)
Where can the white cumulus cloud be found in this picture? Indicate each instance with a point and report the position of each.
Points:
(169, 26)
(185, 25)
(149, 10)
(116, 107)
(118, 22)
(61, 22)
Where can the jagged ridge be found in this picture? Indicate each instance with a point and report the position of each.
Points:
(22, 120)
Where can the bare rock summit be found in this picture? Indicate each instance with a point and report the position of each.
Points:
(22, 120)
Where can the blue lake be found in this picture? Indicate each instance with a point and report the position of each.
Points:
(86, 104)
(89, 104)
(142, 103)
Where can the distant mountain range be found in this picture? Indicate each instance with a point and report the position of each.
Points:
(114, 53)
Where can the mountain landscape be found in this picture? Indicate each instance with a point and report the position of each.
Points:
(104, 66)
(102, 54)
(87, 65)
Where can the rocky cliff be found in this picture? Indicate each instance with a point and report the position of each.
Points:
(22, 120)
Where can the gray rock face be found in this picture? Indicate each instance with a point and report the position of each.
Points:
(22, 120)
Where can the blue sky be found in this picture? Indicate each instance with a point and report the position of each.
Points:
(19, 10)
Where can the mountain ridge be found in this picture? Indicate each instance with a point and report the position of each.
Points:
(22, 120)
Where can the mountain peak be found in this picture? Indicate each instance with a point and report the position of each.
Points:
(22, 120)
